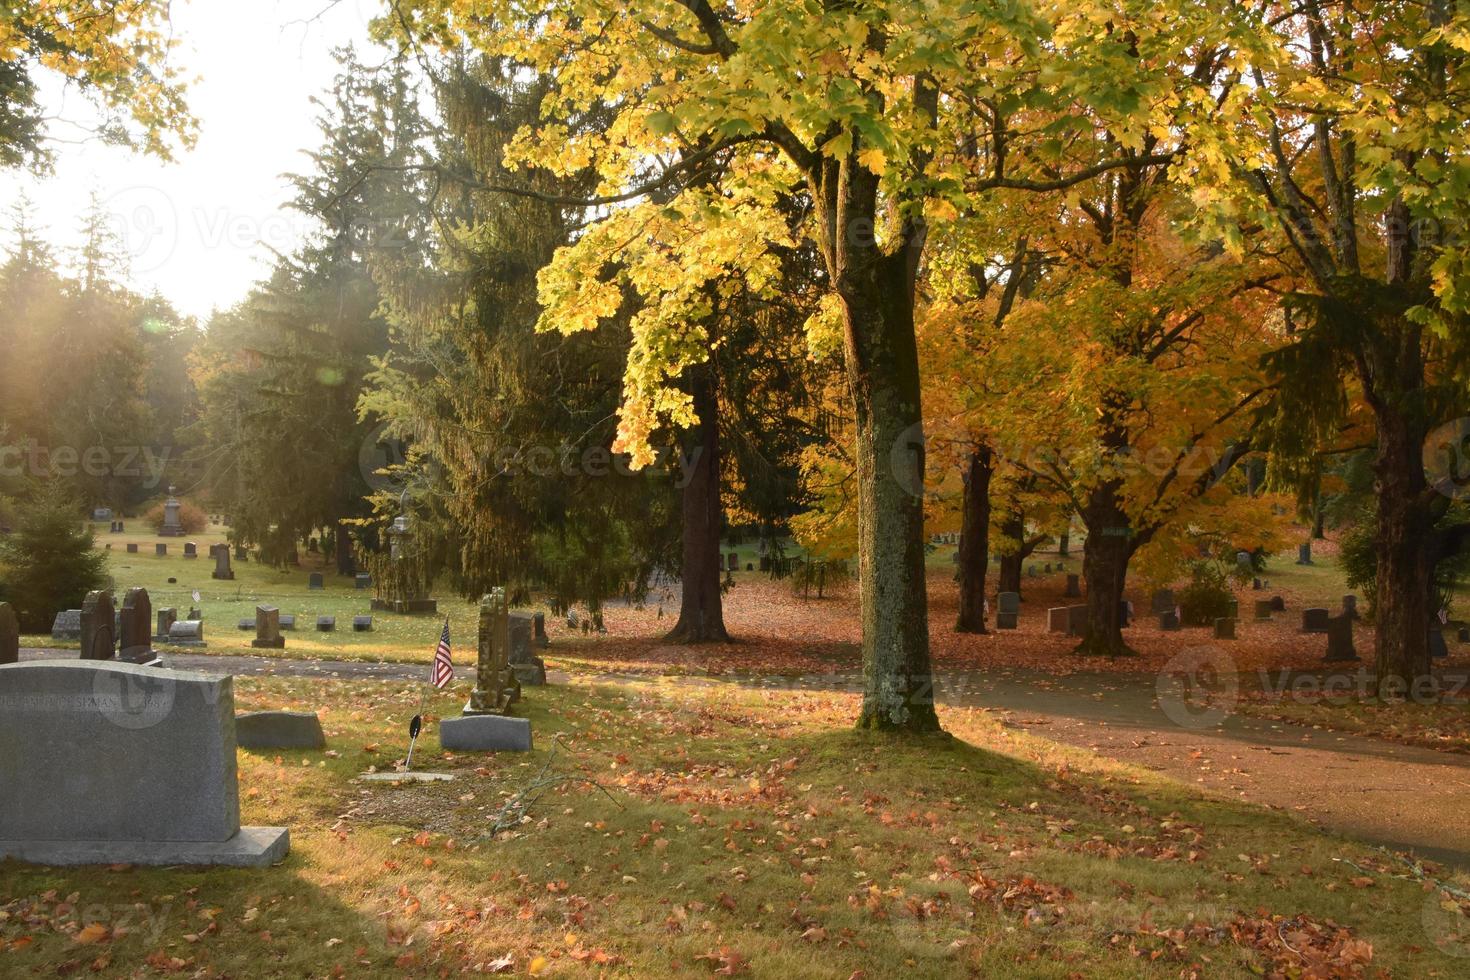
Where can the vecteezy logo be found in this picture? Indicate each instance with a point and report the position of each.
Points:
(906, 460)
(1446, 920)
(1447, 459)
(134, 701)
(146, 224)
(379, 453)
(1198, 688)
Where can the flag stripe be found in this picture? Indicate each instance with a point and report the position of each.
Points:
(443, 664)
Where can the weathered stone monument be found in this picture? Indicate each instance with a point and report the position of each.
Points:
(1162, 602)
(67, 625)
(191, 550)
(315, 583)
(98, 616)
(485, 725)
(1314, 620)
(166, 619)
(1074, 587)
(135, 626)
(326, 624)
(222, 569)
(132, 547)
(362, 624)
(529, 669)
(9, 635)
(187, 633)
(1225, 628)
(111, 763)
(1304, 553)
(539, 623)
(268, 629)
(1066, 619)
(1008, 610)
(172, 526)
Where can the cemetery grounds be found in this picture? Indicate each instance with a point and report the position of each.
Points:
(676, 819)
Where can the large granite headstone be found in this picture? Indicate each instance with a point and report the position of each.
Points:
(112, 763)
(9, 635)
(99, 642)
(135, 626)
(222, 569)
(268, 629)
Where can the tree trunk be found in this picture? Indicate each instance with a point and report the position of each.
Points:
(1014, 529)
(1406, 559)
(975, 541)
(701, 612)
(883, 374)
(1064, 543)
(1105, 556)
(345, 563)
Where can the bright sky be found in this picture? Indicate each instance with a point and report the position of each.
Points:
(197, 229)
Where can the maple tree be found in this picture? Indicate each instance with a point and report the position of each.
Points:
(116, 53)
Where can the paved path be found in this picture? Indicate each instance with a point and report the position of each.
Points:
(1378, 791)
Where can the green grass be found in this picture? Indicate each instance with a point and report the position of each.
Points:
(753, 831)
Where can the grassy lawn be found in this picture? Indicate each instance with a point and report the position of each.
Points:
(740, 833)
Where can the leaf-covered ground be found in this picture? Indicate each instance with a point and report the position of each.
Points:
(706, 829)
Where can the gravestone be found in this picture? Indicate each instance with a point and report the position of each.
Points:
(1340, 639)
(326, 624)
(539, 623)
(314, 583)
(1031, 571)
(187, 633)
(1278, 604)
(9, 635)
(1074, 587)
(160, 549)
(1225, 628)
(195, 613)
(172, 526)
(1304, 553)
(1066, 619)
(1437, 647)
(734, 562)
(485, 726)
(191, 550)
(1314, 620)
(1350, 607)
(1046, 569)
(132, 547)
(362, 580)
(111, 763)
(765, 563)
(362, 624)
(1169, 621)
(245, 625)
(99, 642)
(1255, 585)
(268, 629)
(222, 568)
(279, 730)
(288, 621)
(67, 625)
(241, 555)
(1008, 610)
(1464, 635)
(1243, 561)
(134, 629)
(1162, 602)
(529, 669)
(166, 619)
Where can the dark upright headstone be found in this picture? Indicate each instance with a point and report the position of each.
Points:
(132, 547)
(268, 629)
(1278, 604)
(1437, 647)
(1350, 607)
(1314, 620)
(1340, 639)
(191, 550)
(1163, 602)
(222, 568)
(362, 580)
(539, 623)
(1304, 553)
(314, 583)
(1225, 628)
(160, 549)
(135, 624)
(9, 635)
(1074, 587)
(1008, 611)
(1169, 621)
(326, 624)
(98, 616)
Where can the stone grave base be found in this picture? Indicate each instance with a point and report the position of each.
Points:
(406, 607)
(532, 674)
(279, 730)
(252, 847)
(406, 777)
(485, 733)
(279, 643)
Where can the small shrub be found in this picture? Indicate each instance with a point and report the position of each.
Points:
(1207, 597)
(191, 517)
(49, 562)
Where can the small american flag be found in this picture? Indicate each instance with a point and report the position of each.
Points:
(443, 666)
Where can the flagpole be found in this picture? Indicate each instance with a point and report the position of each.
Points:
(416, 725)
